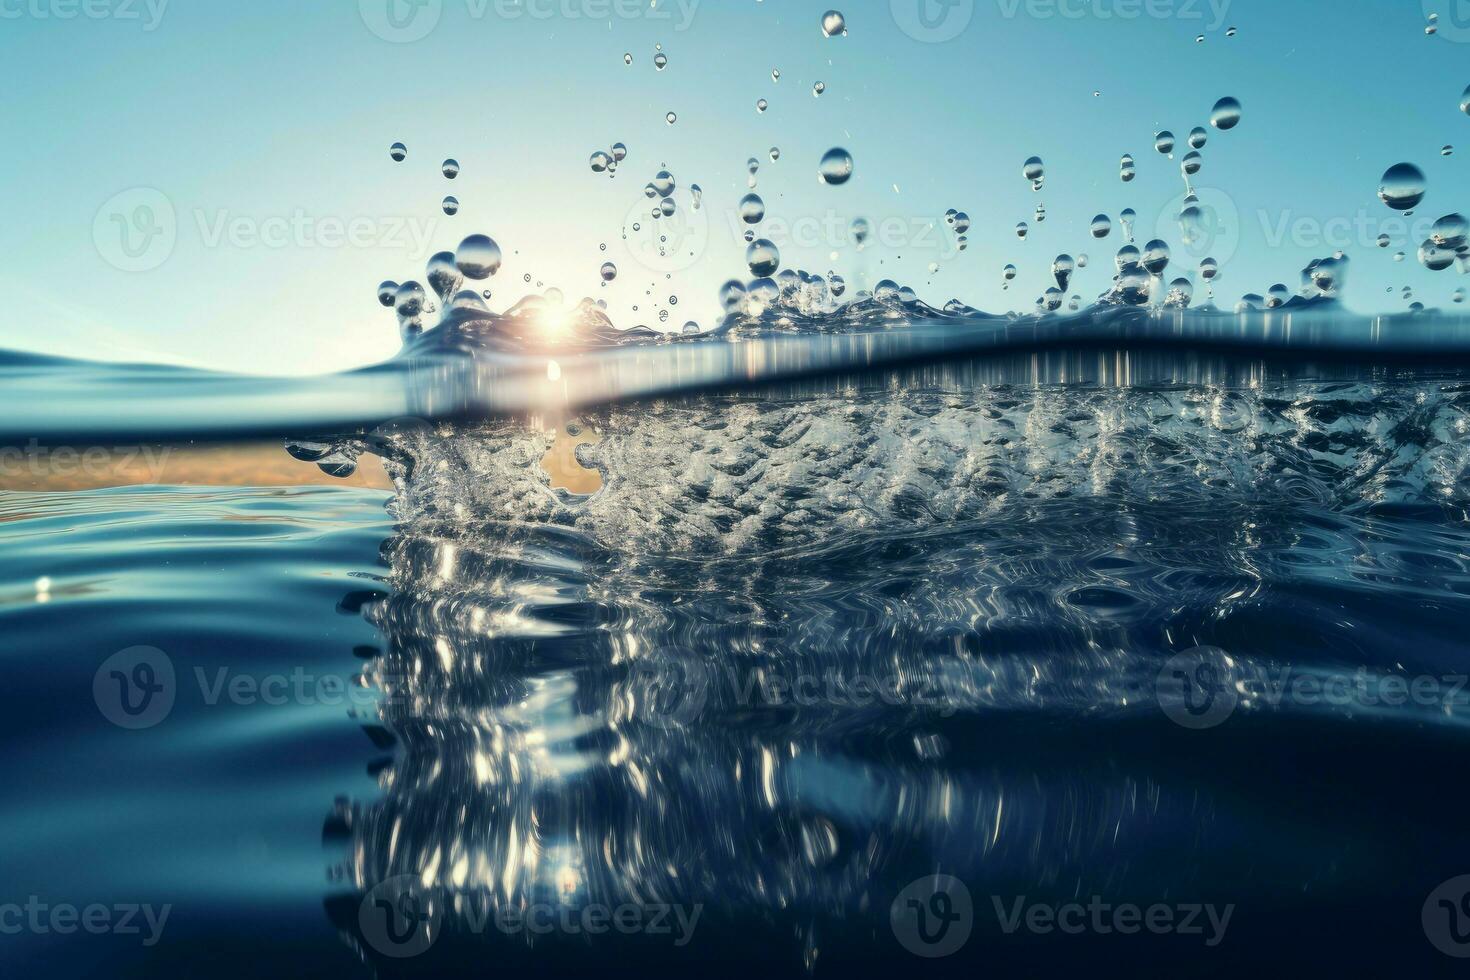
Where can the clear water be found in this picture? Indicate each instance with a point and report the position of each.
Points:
(860, 600)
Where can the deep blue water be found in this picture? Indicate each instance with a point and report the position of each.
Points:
(1174, 636)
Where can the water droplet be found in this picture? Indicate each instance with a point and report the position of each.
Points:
(1164, 142)
(763, 258)
(1192, 163)
(398, 152)
(444, 276)
(1446, 150)
(1127, 218)
(1062, 268)
(819, 88)
(1458, 296)
(619, 151)
(1156, 256)
(1102, 225)
(1034, 171)
(1208, 269)
(1465, 101)
(663, 183)
(1230, 32)
(1451, 232)
(451, 169)
(1402, 186)
(1383, 241)
(752, 209)
(1126, 170)
(961, 223)
(1008, 273)
(609, 272)
(761, 105)
(1198, 137)
(386, 291)
(775, 153)
(836, 166)
(834, 24)
(1226, 114)
(671, 118)
(451, 206)
(600, 161)
(1021, 230)
(1277, 296)
(628, 58)
(860, 230)
(660, 61)
(691, 328)
(478, 257)
(775, 74)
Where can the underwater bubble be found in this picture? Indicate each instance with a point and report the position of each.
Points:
(619, 152)
(444, 276)
(763, 258)
(1008, 273)
(1451, 232)
(1126, 169)
(775, 153)
(761, 105)
(860, 229)
(1022, 229)
(1062, 268)
(478, 257)
(819, 88)
(752, 209)
(398, 152)
(1226, 114)
(1192, 163)
(451, 206)
(609, 272)
(386, 291)
(1402, 186)
(834, 24)
(961, 223)
(451, 169)
(1208, 269)
(836, 166)
(600, 161)
(1164, 142)
(1033, 170)
(1156, 256)
(1277, 295)
(1127, 218)
(671, 118)
(660, 61)
(1198, 137)
(663, 183)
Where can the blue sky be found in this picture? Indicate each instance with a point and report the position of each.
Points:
(258, 136)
